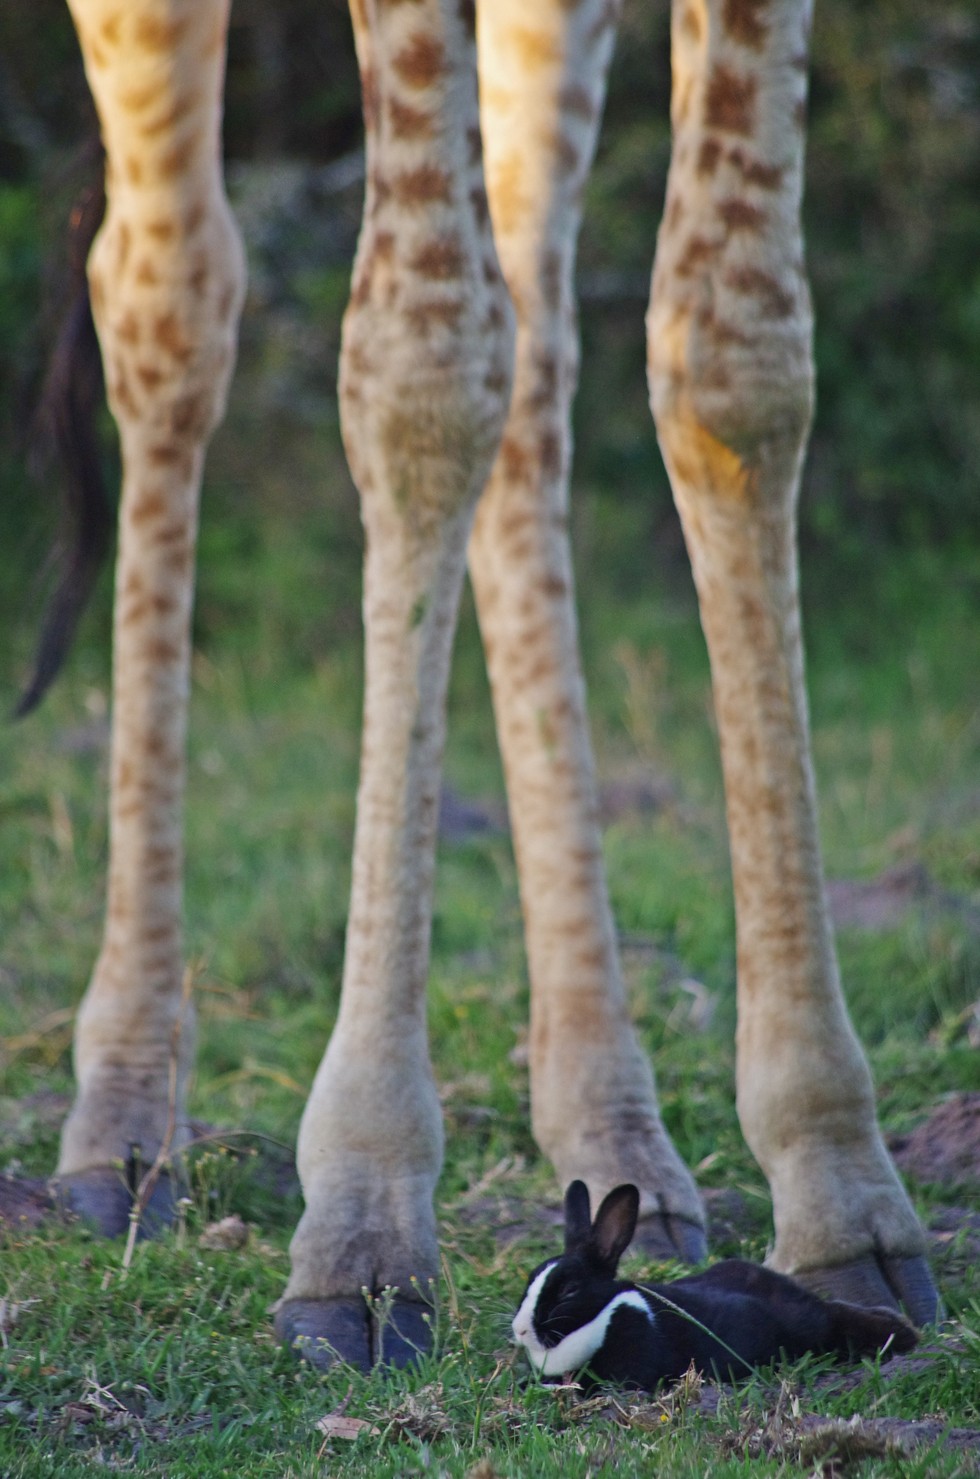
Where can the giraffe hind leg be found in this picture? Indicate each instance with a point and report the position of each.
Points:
(593, 1098)
(731, 382)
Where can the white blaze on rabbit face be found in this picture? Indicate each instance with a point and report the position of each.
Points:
(576, 1349)
(523, 1322)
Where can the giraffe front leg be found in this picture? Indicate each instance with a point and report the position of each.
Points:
(167, 276)
(731, 388)
(593, 1101)
(370, 1144)
(425, 379)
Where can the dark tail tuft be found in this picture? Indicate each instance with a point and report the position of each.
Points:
(66, 421)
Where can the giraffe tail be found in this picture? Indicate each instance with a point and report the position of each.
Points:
(65, 422)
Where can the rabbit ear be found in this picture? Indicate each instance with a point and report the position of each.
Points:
(578, 1215)
(615, 1224)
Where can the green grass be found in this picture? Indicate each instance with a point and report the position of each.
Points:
(172, 1369)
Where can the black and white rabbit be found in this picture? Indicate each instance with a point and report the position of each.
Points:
(576, 1316)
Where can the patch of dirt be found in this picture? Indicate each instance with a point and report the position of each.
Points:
(25, 1202)
(916, 1363)
(461, 818)
(950, 1222)
(21, 1120)
(827, 1446)
(882, 903)
(512, 1218)
(89, 738)
(945, 1149)
(730, 1215)
(835, 1445)
(634, 796)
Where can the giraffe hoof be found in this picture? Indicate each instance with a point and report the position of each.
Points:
(101, 1197)
(405, 1336)
(879, 1281)
(326, 1332)
(663, 1236)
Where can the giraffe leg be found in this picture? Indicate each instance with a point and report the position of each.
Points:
(593, 1101)
(425, 380)
(731, 389)
(167, 277)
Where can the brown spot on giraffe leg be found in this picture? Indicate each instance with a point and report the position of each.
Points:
(709, 157)
(158, 35)
(730, 101)
(745, 21)
(740, 215)
(440, 260)
(755, 171)
(421, 186)
(421, 62)
(408, 122)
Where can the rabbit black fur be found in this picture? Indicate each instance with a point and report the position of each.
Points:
(576, 1316)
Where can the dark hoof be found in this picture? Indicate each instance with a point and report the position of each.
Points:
(101, 1197)
(326, 1332)
(662, 1236)
(893, 1283)
(405, 1334)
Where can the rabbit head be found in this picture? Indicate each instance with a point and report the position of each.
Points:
(569, 1301)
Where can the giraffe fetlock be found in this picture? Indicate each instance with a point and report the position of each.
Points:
(595, 1116)
(845, 1227)
(364, 1265)
(364, 1255)
(122, 1141)
(843, 1222)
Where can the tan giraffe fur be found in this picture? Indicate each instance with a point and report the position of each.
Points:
(167, 279)
(731, 386)
(432, 349)
(592, 1098)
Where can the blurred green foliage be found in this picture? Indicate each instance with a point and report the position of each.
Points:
(893, 222)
